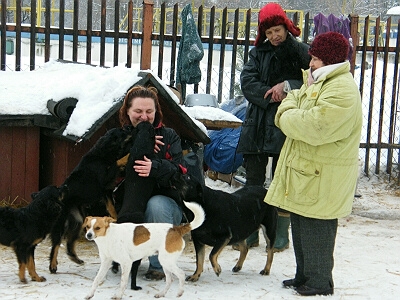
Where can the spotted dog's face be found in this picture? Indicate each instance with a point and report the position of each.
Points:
(96, 226)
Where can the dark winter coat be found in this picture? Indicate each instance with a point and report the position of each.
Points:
(267, 66)
(169, 160)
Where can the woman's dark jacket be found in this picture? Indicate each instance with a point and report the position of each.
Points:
(169, 160)
(134, 192)
(267, 66)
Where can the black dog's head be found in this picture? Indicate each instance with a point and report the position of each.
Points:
(49, 201)
(143, 144)
(190, 188)
(115, 144)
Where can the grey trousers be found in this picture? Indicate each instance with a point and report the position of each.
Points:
(314, 243)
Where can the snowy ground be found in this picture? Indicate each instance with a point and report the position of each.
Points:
(367, 263)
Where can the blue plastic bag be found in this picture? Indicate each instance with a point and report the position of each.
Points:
(220, 154)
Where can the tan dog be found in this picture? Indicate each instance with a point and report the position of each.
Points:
(127, 242)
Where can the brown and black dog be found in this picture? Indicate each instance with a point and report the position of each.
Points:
(230, 219)
(91, 184)
(23, 228)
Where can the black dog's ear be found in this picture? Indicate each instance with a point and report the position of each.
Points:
(178, 183)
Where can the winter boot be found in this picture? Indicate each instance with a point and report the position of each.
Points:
(282, 232)
(251, 241)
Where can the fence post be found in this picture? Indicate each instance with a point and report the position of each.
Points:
(355, 38)
(147, 29)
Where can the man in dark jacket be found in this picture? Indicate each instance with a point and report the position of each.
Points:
(273, 69)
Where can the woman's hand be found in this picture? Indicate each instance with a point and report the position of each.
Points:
(143, 167)
(158, 143)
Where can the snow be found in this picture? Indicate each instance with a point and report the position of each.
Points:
(394, 11)
(97, 90)
(367, 262)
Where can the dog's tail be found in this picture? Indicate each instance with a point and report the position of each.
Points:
(199, 214)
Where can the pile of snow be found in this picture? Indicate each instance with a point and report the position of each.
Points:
(367, 262)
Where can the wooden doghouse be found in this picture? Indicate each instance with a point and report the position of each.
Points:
(35, 153)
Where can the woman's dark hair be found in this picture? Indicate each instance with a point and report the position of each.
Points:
(140, 92)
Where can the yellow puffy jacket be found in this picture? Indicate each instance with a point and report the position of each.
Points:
(317, 170)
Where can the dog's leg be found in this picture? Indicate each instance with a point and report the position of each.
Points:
(270, 245)
(111, 208)
(74, 230)
(200, 255)
(270, 258)
(115, 267)
(215, 253)
(134, 271)
(269, 230)
(125, 270)
(21, 272)
(168, 282)
(22, 265)
(243, 248)
(53, 258)
(181, 277)
(31, 266)
(105, 265)
(56, 236)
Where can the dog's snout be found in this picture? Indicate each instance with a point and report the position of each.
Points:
(89, 236)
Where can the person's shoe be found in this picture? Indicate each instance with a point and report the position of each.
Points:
(292, 283)
(154, 275)
(282, 233)
(304, 290)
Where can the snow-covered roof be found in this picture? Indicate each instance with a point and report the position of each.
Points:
(394, 11)
(99, 93)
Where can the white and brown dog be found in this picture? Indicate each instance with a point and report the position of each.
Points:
(128, 242)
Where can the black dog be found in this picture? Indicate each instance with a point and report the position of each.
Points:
(90, 186)
(23, 228)
(137, 190)
(230, 219)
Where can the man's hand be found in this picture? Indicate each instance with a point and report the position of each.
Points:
(277, 92)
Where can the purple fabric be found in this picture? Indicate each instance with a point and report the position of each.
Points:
(331, 23)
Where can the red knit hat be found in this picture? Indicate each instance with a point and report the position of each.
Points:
(271, 15)
(330, 47)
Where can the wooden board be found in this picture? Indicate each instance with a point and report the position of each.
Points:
(217, 124)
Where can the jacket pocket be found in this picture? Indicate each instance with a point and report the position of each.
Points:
(304, 178)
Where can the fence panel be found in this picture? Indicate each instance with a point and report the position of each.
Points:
(109, 36)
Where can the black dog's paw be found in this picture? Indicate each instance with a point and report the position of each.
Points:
(135, 288)
(115, 267)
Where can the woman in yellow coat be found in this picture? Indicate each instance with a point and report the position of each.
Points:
(317, 171)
